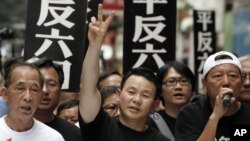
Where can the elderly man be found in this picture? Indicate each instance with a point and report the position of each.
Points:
(213, 117)
(245, 91)
(22, 92)
(6, 66)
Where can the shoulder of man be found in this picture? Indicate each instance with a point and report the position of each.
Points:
(48, 131)
(162, 125)
(63, 127)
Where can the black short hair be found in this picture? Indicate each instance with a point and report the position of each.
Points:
(181, 68)
(105, 75)
(109, 90)
(146, 73)
(46, 62)
(66, 105)
(9, 62)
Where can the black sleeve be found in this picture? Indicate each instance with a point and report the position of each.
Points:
(90, 131)
(189, 125)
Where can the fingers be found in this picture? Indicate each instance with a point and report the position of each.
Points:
(233, 99)
(97, 26)
(93, 28)
(93, 20)
(100, 13)
(110, 18)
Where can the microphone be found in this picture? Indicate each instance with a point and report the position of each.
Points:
(227, 99)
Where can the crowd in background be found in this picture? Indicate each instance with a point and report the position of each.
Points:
(138, 105)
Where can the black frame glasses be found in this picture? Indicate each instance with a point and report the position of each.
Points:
(173, 82)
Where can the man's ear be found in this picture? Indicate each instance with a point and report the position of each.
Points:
(118, 91)
(204, 85)
(156, 104)
(4, 93)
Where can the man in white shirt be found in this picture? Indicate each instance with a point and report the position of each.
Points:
(22, 92)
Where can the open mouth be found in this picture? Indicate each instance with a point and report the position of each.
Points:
(26, 108)
(45, 101)
(134, 109)
(178, 94)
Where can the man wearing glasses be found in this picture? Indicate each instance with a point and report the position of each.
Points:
(110, 100)
(178, 84)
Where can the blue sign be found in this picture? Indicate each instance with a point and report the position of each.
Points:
(241, 34)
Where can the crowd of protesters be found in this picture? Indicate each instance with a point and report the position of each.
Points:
(111, 106)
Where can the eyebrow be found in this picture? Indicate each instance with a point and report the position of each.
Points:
(23, 83)
(177, 77)
(51, 80)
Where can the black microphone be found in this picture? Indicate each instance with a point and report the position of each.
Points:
(227, 99)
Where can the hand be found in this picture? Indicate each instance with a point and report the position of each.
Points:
(98, 28)
(219, 108)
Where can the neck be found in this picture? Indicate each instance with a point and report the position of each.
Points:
(137, 125)
(172, 111)
(44, 116)
(18, 124)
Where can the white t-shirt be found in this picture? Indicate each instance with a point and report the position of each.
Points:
(39, 132)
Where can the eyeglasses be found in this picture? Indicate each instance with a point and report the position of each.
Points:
(111, 108)
(173, 82)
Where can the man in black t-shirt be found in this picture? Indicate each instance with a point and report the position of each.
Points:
(54, 77)
(178, 84)
(137, 96)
